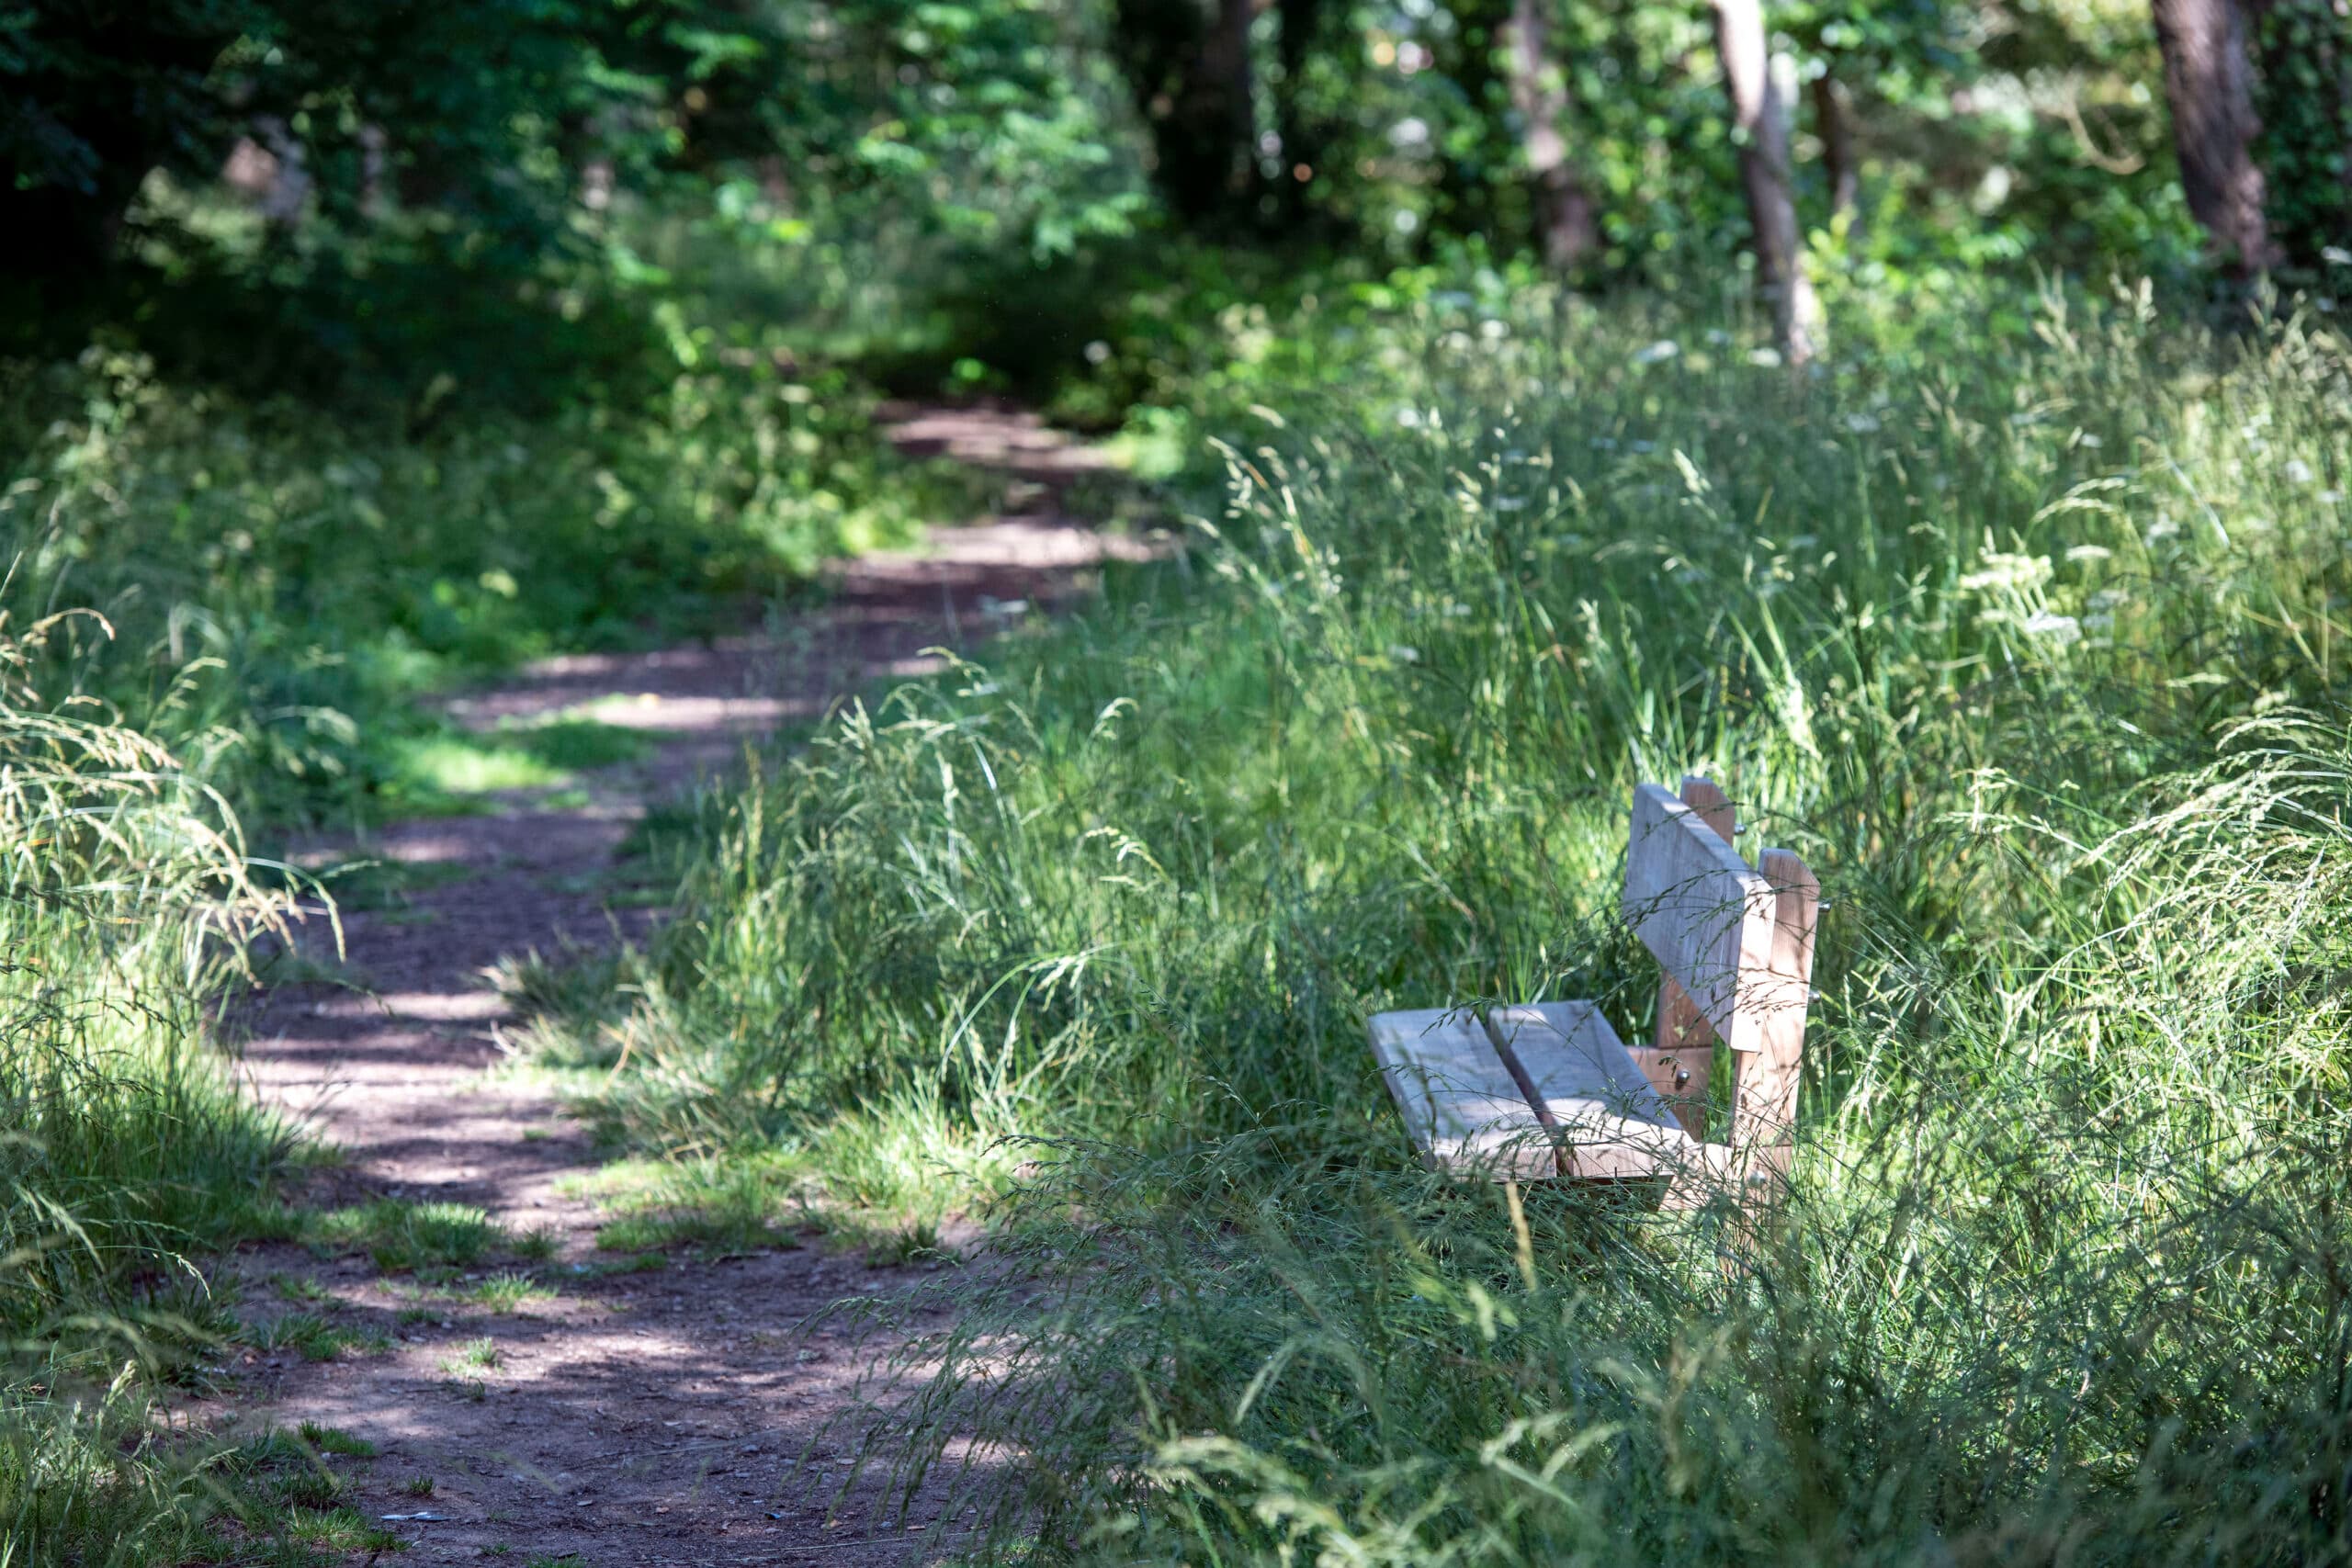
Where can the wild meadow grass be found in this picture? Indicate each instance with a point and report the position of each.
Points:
(128, 1155)
(2030, 643)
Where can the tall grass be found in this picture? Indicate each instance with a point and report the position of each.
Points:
(128, 1153)
(2030, 643)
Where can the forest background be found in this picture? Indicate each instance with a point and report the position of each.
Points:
(1932, 417)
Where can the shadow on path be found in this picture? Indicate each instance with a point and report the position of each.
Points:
(690, 1414)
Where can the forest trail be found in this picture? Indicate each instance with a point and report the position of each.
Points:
(697, 1412)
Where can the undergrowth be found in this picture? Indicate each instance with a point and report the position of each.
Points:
(288, 578)
(2030, 643)
(129, 1157)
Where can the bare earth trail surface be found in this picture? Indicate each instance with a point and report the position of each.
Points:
(662, 1416)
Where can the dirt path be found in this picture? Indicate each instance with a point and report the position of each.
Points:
(690, 1414)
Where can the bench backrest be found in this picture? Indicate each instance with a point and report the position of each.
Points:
(1736, 941)
(1705, 912)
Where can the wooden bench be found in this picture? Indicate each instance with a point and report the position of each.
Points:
(1547, 1091)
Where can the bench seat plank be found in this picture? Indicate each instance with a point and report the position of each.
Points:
(1604, 1114)
(1465, 1113)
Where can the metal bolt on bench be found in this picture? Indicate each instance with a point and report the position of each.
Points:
(1546, 1091)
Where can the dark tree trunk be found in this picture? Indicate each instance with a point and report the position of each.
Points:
(2209, 86)
(1759, 108)
(1188, 63)
(1302, 144)
(1566, 228)
(1833, 121)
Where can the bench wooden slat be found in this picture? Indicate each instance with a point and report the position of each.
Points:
(1465, 1113)
(1680, 1059)
(1607, 1117)
(1707, 914)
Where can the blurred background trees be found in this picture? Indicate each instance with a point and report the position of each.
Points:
(314, 171)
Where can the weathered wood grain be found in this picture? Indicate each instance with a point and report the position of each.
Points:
(1764, 1102)
(1461, 1106)
(1606, 1117)
(1680, 1058)
(1706, 913)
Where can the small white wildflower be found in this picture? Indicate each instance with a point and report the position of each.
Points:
(1097, 351)
(2059, 629)
(2108, 598)
(2298, 472)
(1408, 419)
(1455, 612)
(2163, 528)
(1861, 423)
(1765, 357)
(2085, 438)
(1403, 655)
(1509, 503)
(1656, 353)
(2336, 255)
(2087, 552)
(2329, 497)
(1493, 330)
(2099, 621)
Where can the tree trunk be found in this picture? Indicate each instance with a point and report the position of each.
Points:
(1566, 228)
(1832, 120)
(1759, 108)
(2208, 87)
(1302, 144)
(1188, 62)
(1222, 85)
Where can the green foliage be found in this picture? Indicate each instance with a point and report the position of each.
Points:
(286, 581)
(716, 1206)
(475, 131)
(2305, 50)
(334, 1440)
(402, 1236)
(2030, 642)
(312, 1337)
(130, 1152)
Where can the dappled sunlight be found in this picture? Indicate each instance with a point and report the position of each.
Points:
(717, 721)
(730, 1396)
